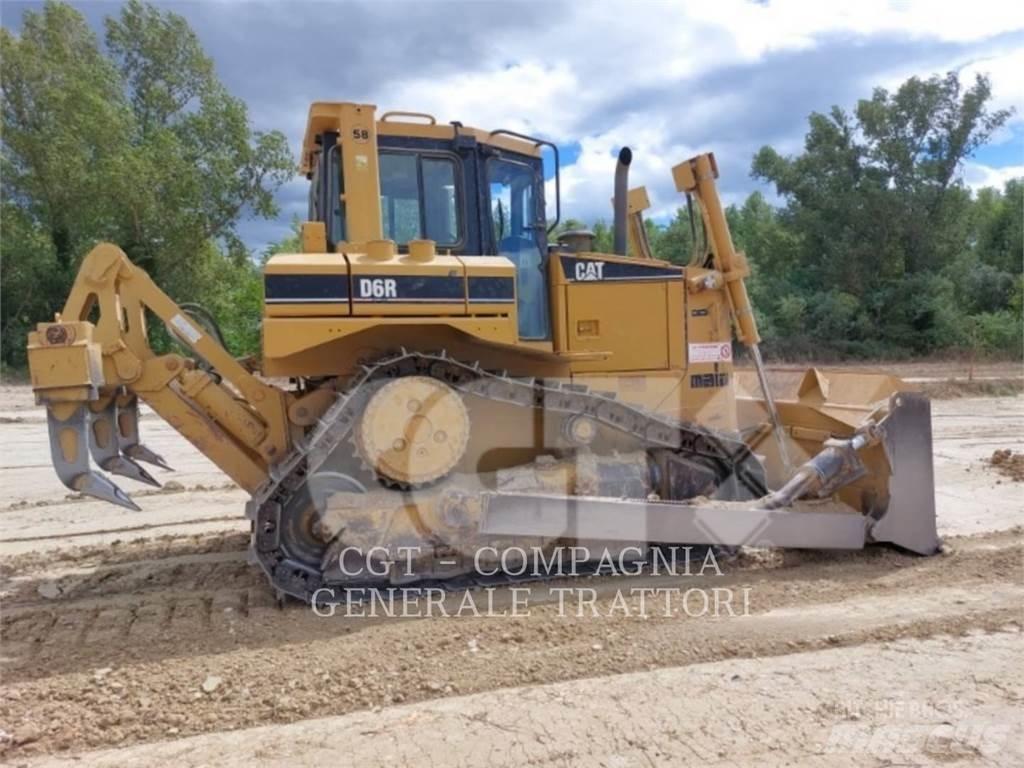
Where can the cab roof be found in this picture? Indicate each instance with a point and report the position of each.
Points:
(326, 116)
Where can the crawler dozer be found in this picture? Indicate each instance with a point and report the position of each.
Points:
(460, 389)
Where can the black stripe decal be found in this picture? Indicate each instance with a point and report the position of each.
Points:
(398, 289)
(306, 289)
(368, 289)
(580, 270)
(492, 290)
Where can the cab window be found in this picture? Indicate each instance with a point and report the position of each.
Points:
(517, 226)
(419, 198)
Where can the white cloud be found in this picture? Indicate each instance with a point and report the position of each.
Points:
(522, 97)
(668, 78)
(1004, 68)
(657, 77)
(784, 24)
(977, 176)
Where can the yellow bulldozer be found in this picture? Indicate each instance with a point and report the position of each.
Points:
(461, 391)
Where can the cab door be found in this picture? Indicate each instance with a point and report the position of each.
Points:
(518, 227)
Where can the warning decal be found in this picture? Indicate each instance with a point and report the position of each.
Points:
(719, 352)
(188, 331)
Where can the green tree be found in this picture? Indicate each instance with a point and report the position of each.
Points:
(675, 242)
(193, 149)
(773, 250)
(999, 223)
(290, 244)
(142, 146)
(66, 126)
(877, 210)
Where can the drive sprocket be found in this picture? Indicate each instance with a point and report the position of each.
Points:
(414, 430)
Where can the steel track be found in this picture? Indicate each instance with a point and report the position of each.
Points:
(728, 456)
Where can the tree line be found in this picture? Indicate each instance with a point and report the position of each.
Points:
(135, 141)
(878, 248)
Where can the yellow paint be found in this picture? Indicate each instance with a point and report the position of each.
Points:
(314, 237)
(329, 116)
(413, 430)
(697, 177)
(306, 264)
(374, 280)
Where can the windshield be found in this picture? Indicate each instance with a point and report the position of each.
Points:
(516, 219)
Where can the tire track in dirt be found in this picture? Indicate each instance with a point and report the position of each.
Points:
(121, 650)
(128, 701)
(183, 603)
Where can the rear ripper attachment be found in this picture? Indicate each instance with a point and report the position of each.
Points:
(92, 376)
(110, 427)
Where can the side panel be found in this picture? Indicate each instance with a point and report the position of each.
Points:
(662, 345)
(628, 311)
(323, 346)
(627, 321)
(306, 285)
(708, 394)
(669, 392)
(490, 286)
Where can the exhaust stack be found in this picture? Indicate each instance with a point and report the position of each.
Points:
(620, 202)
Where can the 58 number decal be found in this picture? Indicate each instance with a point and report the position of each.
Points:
(360, 134)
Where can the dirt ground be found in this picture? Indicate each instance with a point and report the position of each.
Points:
(146, 639)
(609, 721)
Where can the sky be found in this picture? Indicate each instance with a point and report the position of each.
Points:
(669, 79)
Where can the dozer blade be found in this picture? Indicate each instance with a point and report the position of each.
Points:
(104, 446)
(128, 433)
(70, 454)
(909, 519)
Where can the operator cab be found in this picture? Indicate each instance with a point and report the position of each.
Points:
(471, 192)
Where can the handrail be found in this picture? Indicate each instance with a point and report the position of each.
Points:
(403, 113)
(558, 182)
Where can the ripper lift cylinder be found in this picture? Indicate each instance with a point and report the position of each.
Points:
(219, 405)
